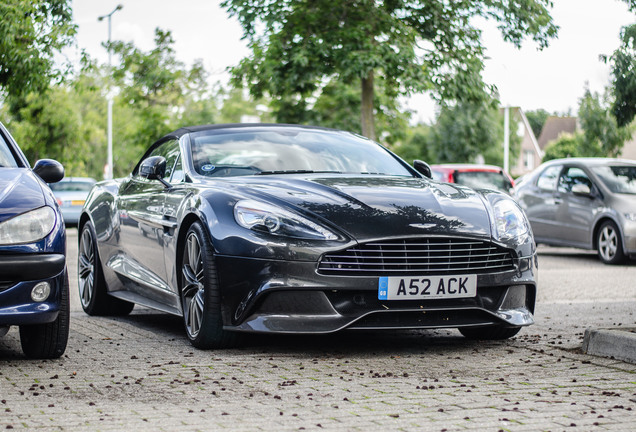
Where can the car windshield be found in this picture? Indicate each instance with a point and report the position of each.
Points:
(483, 180)
(6, 157)
(618, 178)
(72, 186)
(262, 151)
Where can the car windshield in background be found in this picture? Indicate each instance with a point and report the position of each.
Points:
(241, 152)
(483, 180)
(618, 179)
(72, 186)
(6, 157)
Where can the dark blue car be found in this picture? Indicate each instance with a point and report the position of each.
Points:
(33, 278)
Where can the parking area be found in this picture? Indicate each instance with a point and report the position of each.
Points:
(140, 373)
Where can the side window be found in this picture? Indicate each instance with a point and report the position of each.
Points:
(572, 176)
(177, 173)
(548, 179)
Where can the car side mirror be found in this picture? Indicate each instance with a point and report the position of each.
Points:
(154, 168)
(49, 170)
(422, 168)
(581, 189)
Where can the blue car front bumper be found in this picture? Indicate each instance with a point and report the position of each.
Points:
(19, 273)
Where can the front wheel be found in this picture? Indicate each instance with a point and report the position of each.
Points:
(609, 244)
(92, 286)
(200, 295)
(489, 332)
(48, 341)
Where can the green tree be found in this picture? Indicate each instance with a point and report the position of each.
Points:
(623, 66)
(601, 134)
(298, 46)
(465, 131)
(565, 146)
(417, 144)
(31, 34)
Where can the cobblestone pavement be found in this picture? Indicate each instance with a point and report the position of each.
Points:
(140, 373)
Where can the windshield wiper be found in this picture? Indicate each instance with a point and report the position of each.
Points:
(296, 172)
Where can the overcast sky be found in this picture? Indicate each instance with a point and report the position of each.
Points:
(553, 79)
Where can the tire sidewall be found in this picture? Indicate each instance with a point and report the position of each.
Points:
(211, 330)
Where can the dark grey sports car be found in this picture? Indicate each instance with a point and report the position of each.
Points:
(291, 229)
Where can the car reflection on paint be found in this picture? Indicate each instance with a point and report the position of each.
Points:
(294, 229)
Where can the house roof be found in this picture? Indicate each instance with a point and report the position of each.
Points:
(555, 126)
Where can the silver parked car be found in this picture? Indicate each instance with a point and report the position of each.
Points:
(71, 194)
(588, 203)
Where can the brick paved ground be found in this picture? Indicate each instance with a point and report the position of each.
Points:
(139, 373)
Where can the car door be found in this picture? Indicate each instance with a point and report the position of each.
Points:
(540, 203)
(576, 210)
(141, 208)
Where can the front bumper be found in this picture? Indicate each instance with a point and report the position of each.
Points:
(16, 305)
(292, 297)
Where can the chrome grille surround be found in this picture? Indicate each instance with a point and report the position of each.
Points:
(418, 256)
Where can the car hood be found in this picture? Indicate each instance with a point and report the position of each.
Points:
(368, 207)
(20, 191)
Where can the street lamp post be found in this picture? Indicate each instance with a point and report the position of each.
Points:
(109, 163)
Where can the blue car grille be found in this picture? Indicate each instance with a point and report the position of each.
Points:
(419, 256)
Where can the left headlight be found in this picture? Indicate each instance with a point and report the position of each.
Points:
(28, 227)
(510, 221)
(269, 218)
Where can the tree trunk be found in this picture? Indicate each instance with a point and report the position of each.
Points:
(368, 126)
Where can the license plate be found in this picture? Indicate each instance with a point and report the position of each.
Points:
(429, 287)
(77, 202)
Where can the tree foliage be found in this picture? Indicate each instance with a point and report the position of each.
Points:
(623, 66)
(601, 134)
(31, 34)
(566, 145)
(300, 46)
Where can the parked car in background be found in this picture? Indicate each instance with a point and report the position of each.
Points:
(33, 277)
(71, 193)
(292, 229)
(588, 203)
(476, 176)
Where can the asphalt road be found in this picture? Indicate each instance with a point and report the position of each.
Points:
(140, 373)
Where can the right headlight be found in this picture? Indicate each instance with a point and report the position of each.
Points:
(269, 218)
(28, 227)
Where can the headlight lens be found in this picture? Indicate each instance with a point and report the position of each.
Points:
(265, 217)
(510, 221)
(28, 227)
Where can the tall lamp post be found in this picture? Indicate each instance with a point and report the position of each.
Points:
(109, 163)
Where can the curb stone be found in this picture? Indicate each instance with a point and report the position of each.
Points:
(619, 343)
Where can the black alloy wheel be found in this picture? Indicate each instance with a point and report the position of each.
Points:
(200, 296)
(93, 291)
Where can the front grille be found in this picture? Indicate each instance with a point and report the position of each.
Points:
(419, 256)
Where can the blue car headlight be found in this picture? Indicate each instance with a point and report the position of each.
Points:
(510, 221)
(28, 227)
(260, 216)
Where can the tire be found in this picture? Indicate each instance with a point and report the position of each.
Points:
(609, 245)
(489, 332)
(93, 291)
(200, 295)
(48, 341)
